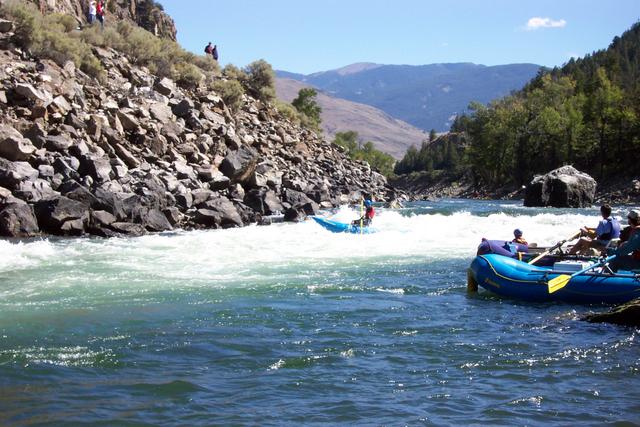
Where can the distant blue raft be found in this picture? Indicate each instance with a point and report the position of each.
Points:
(511, 278)
(341, 227)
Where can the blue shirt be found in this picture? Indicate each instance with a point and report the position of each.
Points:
(608, 228)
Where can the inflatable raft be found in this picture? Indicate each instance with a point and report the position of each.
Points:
(341, 227)
(509, 277)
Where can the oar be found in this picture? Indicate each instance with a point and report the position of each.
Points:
(554, 247)
(561, 281)
(361, 216)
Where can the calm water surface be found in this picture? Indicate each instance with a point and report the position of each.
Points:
(290, 324)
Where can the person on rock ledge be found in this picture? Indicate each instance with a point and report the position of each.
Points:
(367, 218)
(100, 11)
(92, 12)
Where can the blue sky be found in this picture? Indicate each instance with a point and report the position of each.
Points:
(308, 36)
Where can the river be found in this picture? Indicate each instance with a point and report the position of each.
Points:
(290, 324)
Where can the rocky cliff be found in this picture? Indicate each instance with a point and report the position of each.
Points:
(139, 154)
(146, 13)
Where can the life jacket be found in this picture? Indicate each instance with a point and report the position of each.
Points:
(635, 254)
(614, 230)
(370, 212)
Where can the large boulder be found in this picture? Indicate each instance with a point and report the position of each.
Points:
(627, 314)
(13, 173)
(17, 220)
(565, 187)
(13, 146)
(62, 216)
(239, 165)
(219, 212)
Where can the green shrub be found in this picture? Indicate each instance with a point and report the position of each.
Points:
(261, 80)
(234, 73)
(230, 91)
(287, 110)
(206, 63)
(26, 19)
(66, 23)
(188, 75)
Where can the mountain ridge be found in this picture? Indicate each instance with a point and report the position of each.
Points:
(389, 134)
(426, 96)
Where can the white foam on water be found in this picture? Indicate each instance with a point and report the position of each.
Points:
(256, 254)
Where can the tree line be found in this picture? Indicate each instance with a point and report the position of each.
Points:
(586, 113)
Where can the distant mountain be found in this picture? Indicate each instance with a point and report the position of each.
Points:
(426, 96)
(390, 135)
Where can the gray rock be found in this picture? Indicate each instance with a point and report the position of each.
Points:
(13, 146)
(128, 121)
(17, 220)
(562, 187)
(62, 216)
(173, 215)
(165, 86)
(102, 218)
(59, 143)
(128, 228)
(183, 108)
(99, 168)
(27, 91)
(13, 173)
(65, 167)
(161, 112)
(6, 26)
(33, 191)
(156, 221)
(219, 212)
(239, 165)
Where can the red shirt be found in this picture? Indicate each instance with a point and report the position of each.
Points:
(370, 212)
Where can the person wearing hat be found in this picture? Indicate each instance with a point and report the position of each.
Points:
(368, 215)
(598, 238)
(628, 253)
(517, 234)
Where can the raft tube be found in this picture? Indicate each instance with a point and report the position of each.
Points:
(512, 278)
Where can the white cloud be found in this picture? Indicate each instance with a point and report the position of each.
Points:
(536, 22)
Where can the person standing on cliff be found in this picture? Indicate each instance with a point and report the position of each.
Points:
(214, 52)
(92, 12)
(100, 13)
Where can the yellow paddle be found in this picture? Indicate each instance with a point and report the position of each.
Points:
(361, 216)
(554, 247)
(561, 281)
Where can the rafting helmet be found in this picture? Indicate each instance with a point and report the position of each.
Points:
(367, 203)
(517, 232)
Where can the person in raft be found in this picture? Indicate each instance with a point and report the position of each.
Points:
(598, 238)
(628, 253)
(517, 234)
(369, 213)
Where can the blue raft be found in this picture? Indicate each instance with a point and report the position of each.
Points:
(511, 278)
(341, 227)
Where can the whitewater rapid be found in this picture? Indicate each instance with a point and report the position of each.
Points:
(220, 257)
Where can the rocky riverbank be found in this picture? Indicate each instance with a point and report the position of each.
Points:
(139, 154)
(439, 184)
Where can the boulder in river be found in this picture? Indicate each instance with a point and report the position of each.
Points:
(565, 187)
(627, 314)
